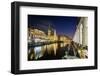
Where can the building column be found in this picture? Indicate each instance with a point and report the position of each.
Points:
(80, 33)
(76, 36)
(84, 32)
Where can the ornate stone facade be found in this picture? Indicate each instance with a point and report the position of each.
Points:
(81, 34)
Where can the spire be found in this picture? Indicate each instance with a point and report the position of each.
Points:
(49, 27)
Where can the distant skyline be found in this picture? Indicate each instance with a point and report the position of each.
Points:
(64, 25)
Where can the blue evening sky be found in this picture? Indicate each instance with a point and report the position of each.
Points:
(64, 25)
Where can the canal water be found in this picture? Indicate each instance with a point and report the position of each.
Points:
(47, 52)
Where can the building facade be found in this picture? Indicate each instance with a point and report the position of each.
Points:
(81, 34)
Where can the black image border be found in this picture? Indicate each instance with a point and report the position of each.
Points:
(15, 37)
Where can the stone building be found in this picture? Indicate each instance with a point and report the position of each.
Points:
(81, 34)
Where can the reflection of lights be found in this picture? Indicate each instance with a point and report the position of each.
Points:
(29, 50)
(37, 49)
(55, 48)
(43, 49)
(61, 44)
(32, 55)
